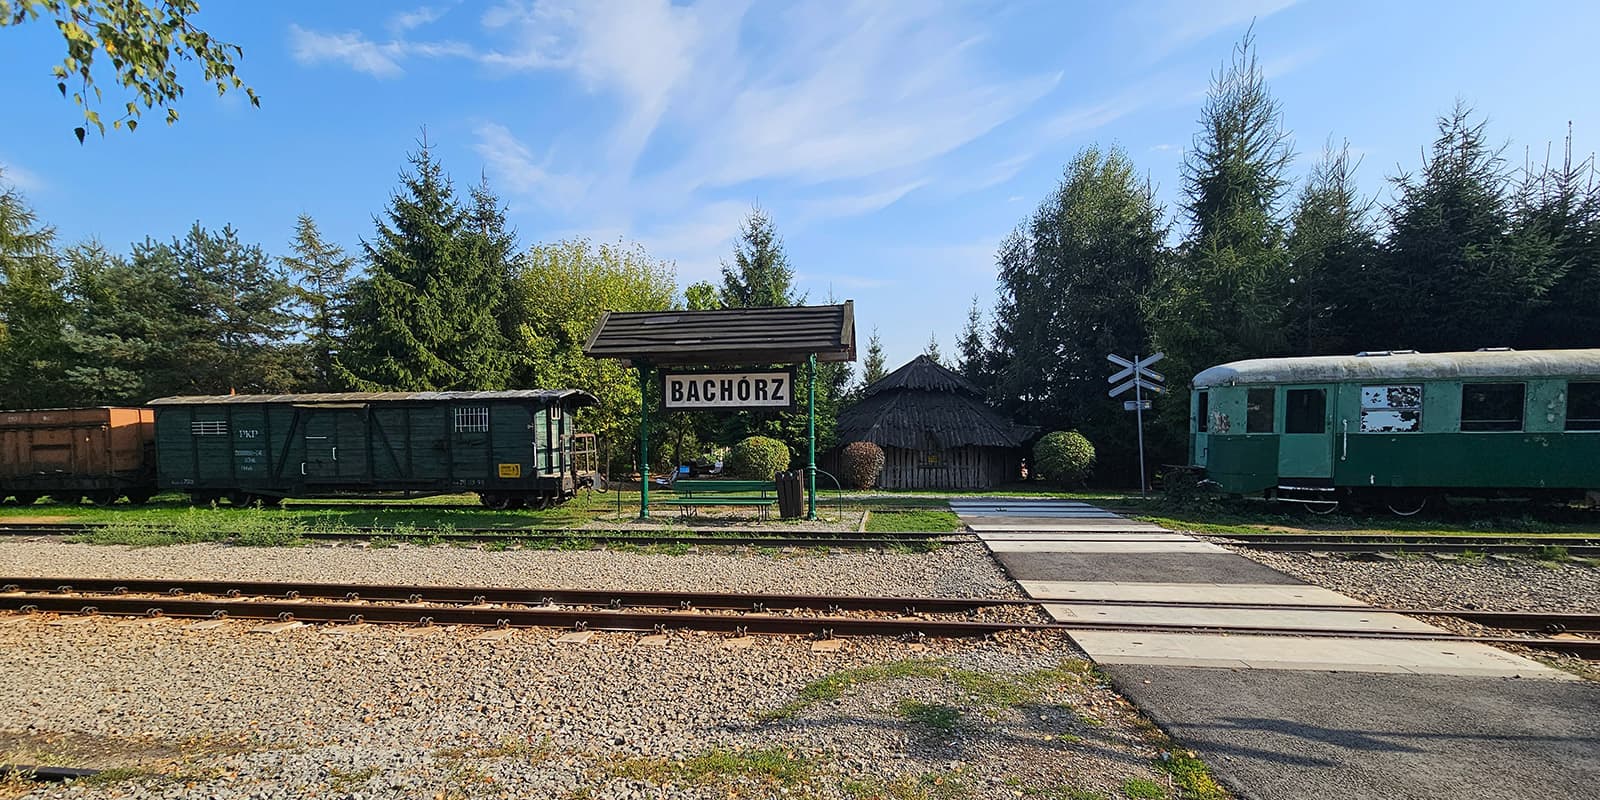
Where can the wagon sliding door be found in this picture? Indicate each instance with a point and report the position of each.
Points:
(335, 443)
(1305, 450)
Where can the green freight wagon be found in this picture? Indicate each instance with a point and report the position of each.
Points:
(1400, 428)
(513, 448)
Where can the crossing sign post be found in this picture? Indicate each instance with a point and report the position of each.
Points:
(1137, 375)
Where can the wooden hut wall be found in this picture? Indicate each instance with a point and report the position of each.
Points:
(957, 468)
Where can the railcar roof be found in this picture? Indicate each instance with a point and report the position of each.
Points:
(1404, 366)
(584, 398)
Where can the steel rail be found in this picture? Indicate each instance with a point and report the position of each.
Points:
(607, 598)
(1586, 546)
(798, 539)
(45, 773)
(662, 621)
(1545, 621)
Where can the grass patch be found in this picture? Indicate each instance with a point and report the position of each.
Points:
(982, 690)
(244, 527)
(1143, 789)
(948, 785)
(935, 520)
(934, 718)
(771, 767)
(1065, 793)
(1552, 553)
(1191, 777)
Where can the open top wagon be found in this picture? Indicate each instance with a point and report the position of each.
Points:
(1400, 428)
(513, 448)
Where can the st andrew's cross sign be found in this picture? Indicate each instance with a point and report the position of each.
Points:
(713, 391)
(1137, 375)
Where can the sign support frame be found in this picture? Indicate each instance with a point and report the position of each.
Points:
(1138, 377)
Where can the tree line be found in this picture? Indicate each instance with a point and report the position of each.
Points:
(1469, 251)
(440, 296)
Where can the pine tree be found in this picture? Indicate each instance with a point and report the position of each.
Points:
(321, 272)
(1454, 275)
(873, 368)
(1332, 251)
(427, 315)
(760, 276)
(1222, 300)
(33, 308)
(931, 349)
(236, 311)
(970, 348)
(1562, 203)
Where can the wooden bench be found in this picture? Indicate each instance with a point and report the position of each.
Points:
(692, 494)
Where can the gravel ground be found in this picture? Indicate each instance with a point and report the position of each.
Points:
(957, 570)
(1491, 584)
(374, 713)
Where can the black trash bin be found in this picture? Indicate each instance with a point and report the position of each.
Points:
(791, 494)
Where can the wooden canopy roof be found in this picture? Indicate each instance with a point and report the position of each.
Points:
(727, 336)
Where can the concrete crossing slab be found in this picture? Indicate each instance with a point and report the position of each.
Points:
(1324, 653)
(1057, 546)
(1081, 536)
(1060, 524)
(1284, 618)
(1134, 567)
(1298, 594)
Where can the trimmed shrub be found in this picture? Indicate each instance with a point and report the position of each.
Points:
(1063, 456)
(757, 458)
(861, 463)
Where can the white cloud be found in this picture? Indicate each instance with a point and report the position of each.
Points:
(20, 178)
(517, 169)
(1177, 23)
(416, 18)
(352, 48)
(857, 204)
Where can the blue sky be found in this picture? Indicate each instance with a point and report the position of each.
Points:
(894, 142)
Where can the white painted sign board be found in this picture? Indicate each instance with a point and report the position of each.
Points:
(706, 391)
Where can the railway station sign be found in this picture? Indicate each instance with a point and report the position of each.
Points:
(721, 391)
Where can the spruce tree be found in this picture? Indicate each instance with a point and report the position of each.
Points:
(760, 276)
(873, 367)
(1222, 300)
(33, 308)
(426, 315)
(1332, 250)
(931, 349)
(321, 272)
(236, 308)
(1562, 203)
(1454, 275)
(970, 348)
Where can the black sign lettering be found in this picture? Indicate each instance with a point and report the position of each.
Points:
(705, 391)
(761, 389)
(744, 390)
(777, 390)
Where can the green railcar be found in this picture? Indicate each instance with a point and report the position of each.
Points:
(513, 448)
(1400, 428)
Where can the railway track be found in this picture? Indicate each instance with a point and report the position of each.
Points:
(1576, 546)
(794, 538)
(821, 616)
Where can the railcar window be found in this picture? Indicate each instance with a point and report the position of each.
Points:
(1583, 406)
(1203, 412)
(1258, 410)
(472, 419)
(209, 427)
(1391, 409)
(1491, 406)
(1305, 411)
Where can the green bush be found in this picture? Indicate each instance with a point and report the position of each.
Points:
(758, 458)
(861, 463)
(1063, 456)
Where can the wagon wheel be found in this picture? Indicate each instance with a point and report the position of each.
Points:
(106, 497)
(66, 499)
(1407, 504)
(498, 502)
(267, 501)
(139, 498)
(241, 498)
(27, 498)
(1321, 509)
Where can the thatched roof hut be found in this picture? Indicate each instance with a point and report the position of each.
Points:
(935, 431)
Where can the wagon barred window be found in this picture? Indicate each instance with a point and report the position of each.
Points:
(472, 419)
(1391, 409)
(1259, 410)
(209, 427)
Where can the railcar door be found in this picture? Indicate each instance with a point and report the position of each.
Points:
(336, 443)
(1305, 449)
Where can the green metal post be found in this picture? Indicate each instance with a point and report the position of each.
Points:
(644, 441)
(811, 438)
